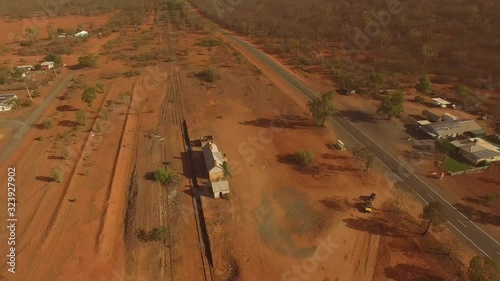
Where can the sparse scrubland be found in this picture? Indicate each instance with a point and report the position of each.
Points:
(453, 41)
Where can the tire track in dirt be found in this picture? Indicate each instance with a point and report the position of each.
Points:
(48, 233)
(113, 218)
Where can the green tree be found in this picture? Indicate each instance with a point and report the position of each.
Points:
(89, 95)
(303, 158)
(209, 74)
(158, 234)
(166, 176)
(87, 61)
(322, 108)
(56, 175)
(51, 32)
(32, 33)
(376, 80)
(424, 85)
(56, 58)
(484, 269)
(392, 105)
(433, 215)
(429, 54)
(100, 88)
(226, 169)
(81, 117)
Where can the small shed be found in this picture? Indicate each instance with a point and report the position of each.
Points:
(82, 33)
(431, 116)
(25, 68)
(47, 65)
(439, 102)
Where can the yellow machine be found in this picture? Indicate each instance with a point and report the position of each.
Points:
(368, 203)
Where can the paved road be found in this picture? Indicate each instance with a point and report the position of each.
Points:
(24, 126)
(397, 171)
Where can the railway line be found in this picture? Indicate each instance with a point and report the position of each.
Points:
(172, 115)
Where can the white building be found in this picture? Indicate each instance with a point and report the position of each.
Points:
(47, 65)
(214, 159)
(82, 33)
(5, 107)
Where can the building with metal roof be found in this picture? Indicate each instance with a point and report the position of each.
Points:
(477, 150)
(453, 129)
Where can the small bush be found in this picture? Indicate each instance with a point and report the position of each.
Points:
(35, 93)
(56, 175)
(47, 124)
(131, 73)
(209, 42)
(25, 103)
(166, 176)
(81, 117)
(209, 74)
(419, 99)
(303, 158)
(158, 234)
(39, 138)
(87, 61)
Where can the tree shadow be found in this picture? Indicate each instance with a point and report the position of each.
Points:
(53, 157)
(333, 157)
(490, 180)
(69, 123)
(282, 121)
(339, 168)
(406, 272)
(150, 176)
(478, 215)
(43, 178)
(373, 225)
(358, 116)
(66, 108)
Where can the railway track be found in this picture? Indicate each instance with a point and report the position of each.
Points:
(173, 103)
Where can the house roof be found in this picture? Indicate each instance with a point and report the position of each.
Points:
(47, 63)
(213, 157)
(220, 186)
(452, 127)
(24, 66)
(441, 101)
(477, 148)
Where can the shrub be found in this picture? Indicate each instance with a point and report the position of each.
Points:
(131, 73)
(209, 42)
(209, 74)
(166, 176)
(47, 124)
(35, 93)
(56, 58)
(56, 175)
(158, 234)
(87, 61)
(25, 103)
(419, 99)
(303, 158)
(99, 88)
(81, 117)
(39, 138)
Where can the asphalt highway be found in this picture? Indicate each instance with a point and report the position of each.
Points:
(397, 169)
